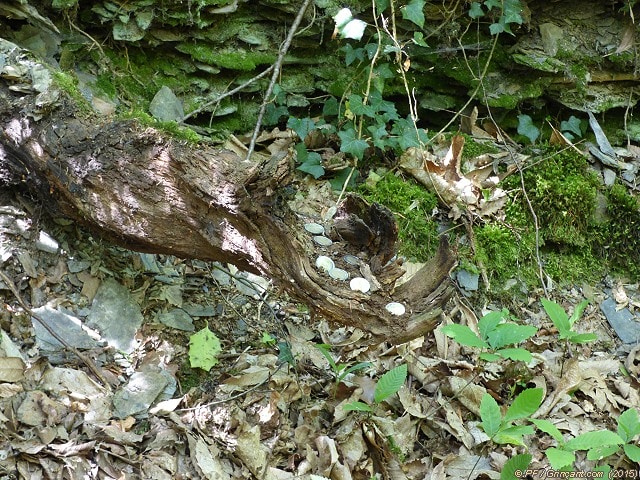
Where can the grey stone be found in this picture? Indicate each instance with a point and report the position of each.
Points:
(625, 324)
(115, 315)
(467, 280)
(166, 107)
(65, 325)
(551, 36)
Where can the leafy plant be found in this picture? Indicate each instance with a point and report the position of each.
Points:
(598, 444)
(501, 429)
(572, 128)
(388, 384)
(509, 14)
(204, 348)
(495, 335)
(564, 323)
(340, 370)
(527, 128)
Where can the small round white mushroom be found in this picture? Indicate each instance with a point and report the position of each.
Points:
(314, 228)
(323, 241)
(325, 263)
(360, 284)
(395, 308)
(338, 274)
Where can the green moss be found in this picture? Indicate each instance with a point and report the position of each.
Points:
(232, 59)
(172, 128)
(68, 83)
(412, 206)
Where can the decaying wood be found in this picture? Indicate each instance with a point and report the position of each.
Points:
(152, 194)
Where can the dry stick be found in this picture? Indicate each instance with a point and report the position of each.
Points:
(219, 98)
(87, 361)
(276, 72)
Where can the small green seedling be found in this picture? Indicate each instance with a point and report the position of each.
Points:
(495, 334)
(502, 429)
(340, 370)
(388, 384)
(598, 444)
(564, 323)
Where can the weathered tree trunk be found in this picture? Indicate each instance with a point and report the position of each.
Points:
(153, 194)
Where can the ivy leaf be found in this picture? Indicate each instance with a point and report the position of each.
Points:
(526, 126)
(204, 348)
(302, 126)
(310, 162)
(352, 145)
(572, 125)
(352, 54)
(382, 5)
(414, 12)
(358, 107)
(390, 383)
(330, 107)
(476, 10)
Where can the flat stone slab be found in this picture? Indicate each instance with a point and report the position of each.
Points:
(625, 324)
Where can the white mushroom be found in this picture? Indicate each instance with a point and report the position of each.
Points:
(323, 241)
(314, 228)
(360, 284)
(338, 274)
(395, 308)
(325, 263)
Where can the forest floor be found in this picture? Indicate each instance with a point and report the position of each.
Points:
(272, 407)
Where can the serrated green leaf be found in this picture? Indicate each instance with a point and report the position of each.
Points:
(513, 435)
(516, 354)
(302, 126)
(510, 334)
(547, 427)
(490, 415)
(489, 322)
(464, 336)
(414, 12)
(357, 406)
(557, 315)
(525, 123)
(559, 458)
(204, 348)
(589, 440)
(351, 144)
(575, 337)
(632, 451)
(390, 383)
(628, 425)
(577, 312)
(598, 453)
(517, 463)
(524, 404)
(489, 357)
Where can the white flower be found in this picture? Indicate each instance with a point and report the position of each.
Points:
(342, 17)
(354, 29)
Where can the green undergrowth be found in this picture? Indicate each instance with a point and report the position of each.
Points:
(578, 243)
(412, 205)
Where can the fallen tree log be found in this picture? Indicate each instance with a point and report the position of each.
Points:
(146, 192)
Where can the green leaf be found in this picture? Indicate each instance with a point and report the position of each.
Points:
(513, 435)
(337, 182)
(525, 124)
(510, 334)
(628, 425)
(577, 312)
(310, 162)
(330, 107)
(633, 452)
(351, 144)
(589, 440)
(575, 337)
(516, 354)
(273, 114)
(557, 315)
(559, 458)
(353, 368)
(284, 354)
(204, 348)
(572, 125)
(357, 406)
(352, 54)
(390, 383)
(358, 107)
(381, 5)
(464, 336)
(524, 404)
(517, 463)
(302, 126)
(476, 10)
(418, 39)
(489, 357)
(598, 453)
(414, 11)
(489, 322)
(490, 415)
(547, 427)
(325, 350)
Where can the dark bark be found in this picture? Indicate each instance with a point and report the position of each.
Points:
(153, 194)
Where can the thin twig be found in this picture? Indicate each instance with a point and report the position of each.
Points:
(276, 72)
(219, 98)
(90, 365)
